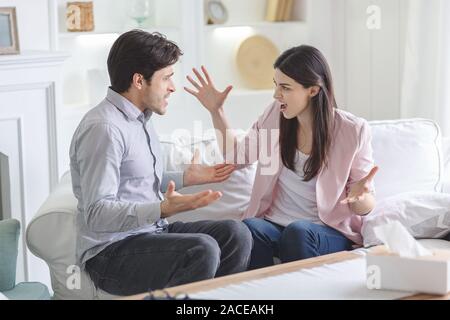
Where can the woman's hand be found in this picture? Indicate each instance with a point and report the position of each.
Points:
(211, 98)
(360, 189)
(197, 173)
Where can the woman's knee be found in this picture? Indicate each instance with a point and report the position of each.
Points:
(297, 242)
(255, 225)
(299, 231)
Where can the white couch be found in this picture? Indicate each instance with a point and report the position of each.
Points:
(411, 154)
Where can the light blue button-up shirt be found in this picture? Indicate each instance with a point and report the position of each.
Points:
(117, 175)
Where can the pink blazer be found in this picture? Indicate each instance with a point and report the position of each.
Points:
(350, 159)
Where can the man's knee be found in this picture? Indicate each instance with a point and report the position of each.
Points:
(237, 230)
(205, 248)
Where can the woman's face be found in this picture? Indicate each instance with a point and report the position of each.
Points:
(294, 98)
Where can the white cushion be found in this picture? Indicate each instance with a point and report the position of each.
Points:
(424, 214)
(236, 190)
(427, 243)
(409, 155)
(435, 244)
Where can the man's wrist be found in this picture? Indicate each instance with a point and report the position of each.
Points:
(148, 213)
(163, 206)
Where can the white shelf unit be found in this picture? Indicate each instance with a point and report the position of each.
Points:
(85, 78)
(220, 42)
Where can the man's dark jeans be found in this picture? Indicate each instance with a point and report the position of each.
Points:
(188, 252)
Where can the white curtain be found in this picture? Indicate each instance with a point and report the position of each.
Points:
(426, 72)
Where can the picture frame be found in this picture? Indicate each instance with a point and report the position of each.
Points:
(9, 36)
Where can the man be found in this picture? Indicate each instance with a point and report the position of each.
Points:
(124, 241)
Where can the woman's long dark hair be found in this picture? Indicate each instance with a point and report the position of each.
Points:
(307, 66)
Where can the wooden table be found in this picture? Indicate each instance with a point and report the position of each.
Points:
(272, 271)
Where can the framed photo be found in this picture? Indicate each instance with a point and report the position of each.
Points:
(9, 40)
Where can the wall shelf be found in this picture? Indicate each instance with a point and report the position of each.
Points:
(262, 24)
(32, 58)
(71, 35)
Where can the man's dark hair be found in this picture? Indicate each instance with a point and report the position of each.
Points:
(137, 51)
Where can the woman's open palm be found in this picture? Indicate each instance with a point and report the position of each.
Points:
(359, 189)
(211, 98)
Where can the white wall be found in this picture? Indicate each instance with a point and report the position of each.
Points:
(24, 109)
(29, 94)
(366, 64)
(326, 26)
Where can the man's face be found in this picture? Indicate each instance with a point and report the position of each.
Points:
(155, 93)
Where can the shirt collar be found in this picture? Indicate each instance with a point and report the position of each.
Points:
(127, 107)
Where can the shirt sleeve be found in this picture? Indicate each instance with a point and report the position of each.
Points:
(363, 161)
(99, 153)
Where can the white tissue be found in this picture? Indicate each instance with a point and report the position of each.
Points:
(398, 240)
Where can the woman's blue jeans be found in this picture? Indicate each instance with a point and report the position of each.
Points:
(299, 240)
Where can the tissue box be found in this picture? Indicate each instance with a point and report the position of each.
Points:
(427, 274)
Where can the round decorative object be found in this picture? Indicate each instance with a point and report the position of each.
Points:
(216, 12)
(255, 58)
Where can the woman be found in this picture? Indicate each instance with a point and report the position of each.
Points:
(313, 203)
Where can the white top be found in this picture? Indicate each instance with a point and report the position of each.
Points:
(295, 198)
